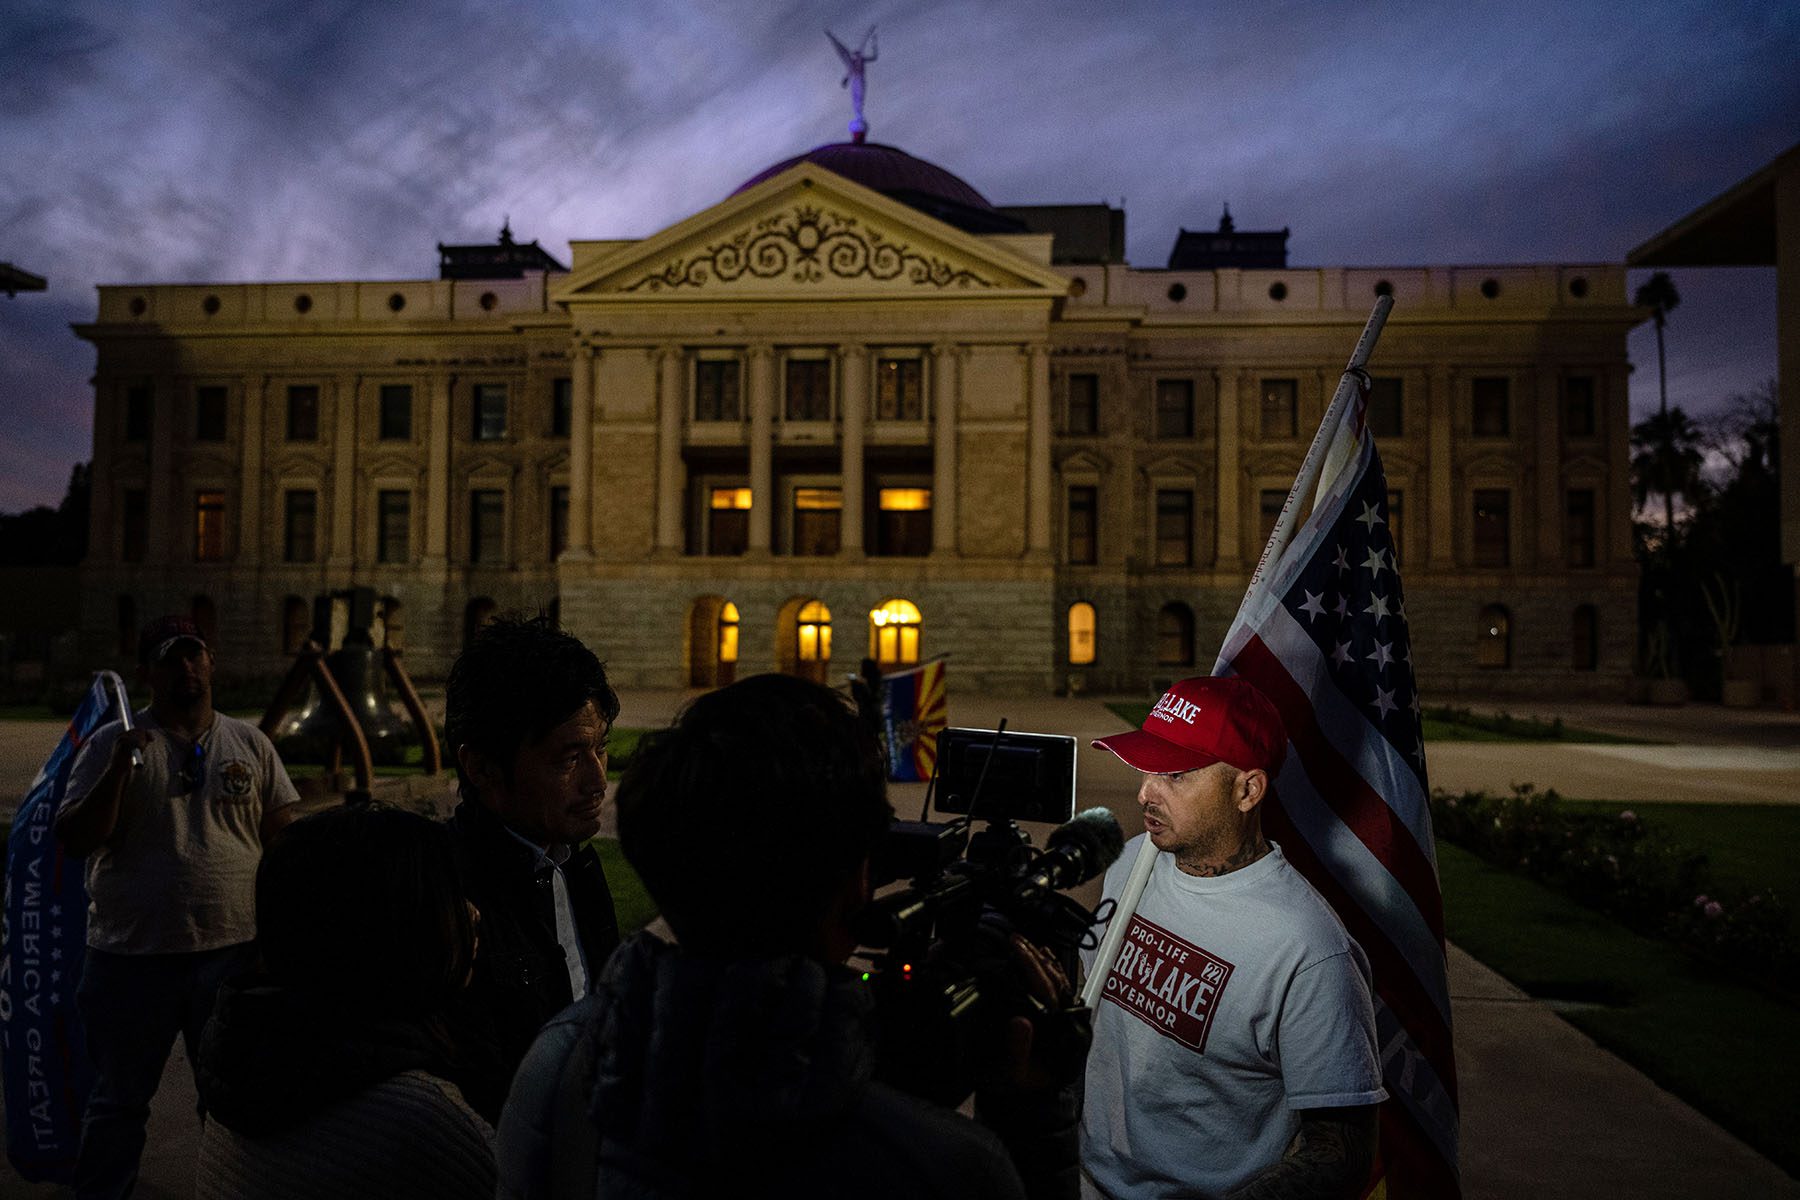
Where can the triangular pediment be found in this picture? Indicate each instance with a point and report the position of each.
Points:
(1084, 462)
(808, 233)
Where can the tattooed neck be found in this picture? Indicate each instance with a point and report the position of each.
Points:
(1246, 852)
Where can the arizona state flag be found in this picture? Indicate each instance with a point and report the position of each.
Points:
(914, 710)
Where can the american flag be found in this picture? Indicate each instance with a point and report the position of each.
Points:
(1322, 632)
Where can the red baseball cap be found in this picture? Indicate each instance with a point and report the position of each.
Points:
(161, 635)
(1199, 722)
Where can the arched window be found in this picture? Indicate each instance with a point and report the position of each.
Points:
(1584, 638)
(1081, 633)
(295, 623)
(206, 616)
(1175, 636)
(712, 642)
(1493, 638)
(894, 633)
(478, 614)
(128, 627)
(813, 638)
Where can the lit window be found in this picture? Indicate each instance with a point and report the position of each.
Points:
(818, 514)
(209, 526)
(1081, 633)
(903, 522)
(894, 633)
(728, 520)
(728, 633)
(815, 633)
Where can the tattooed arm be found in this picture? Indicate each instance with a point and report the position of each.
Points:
(1329, 1159)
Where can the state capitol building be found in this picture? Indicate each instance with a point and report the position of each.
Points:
(854, 408)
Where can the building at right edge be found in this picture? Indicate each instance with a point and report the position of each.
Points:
(1185, 401)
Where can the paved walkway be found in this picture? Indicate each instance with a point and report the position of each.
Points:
(1546, 1113)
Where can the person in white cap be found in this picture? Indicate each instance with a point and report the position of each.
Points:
(171, 815)
(1234, 1042)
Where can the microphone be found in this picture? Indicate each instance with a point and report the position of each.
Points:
(1074, 853)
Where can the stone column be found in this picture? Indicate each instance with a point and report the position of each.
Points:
(671, 477)
(1037, 449)
(1442, 507)
(171, 513)
(581, 455)
(342, 555)
(1229, 382)
(250, 530)
(943, 476)
(854, 407)
(437, 474)
(762, 447)
(1547, 439)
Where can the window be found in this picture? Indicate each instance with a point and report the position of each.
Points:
(1174, 408)
(487, 525)
(812, 637)
(903, 521)
(303, 413)
(134, 522)
(559, 522)
(728, 523)
(396, 412)
(899, 389)
(127, 627)
(562, 407)
(209, 414)
(137, 412)
(1493, 527)
(1081, 633)
(1084, 404)
(1578, 406)
(894, 633)
(393, 531)
(808, 389)
(1396, 518)
(209, 526)
(1268, 510)
(1493, 638)
(1174, 528)
(1492, 411)
(1175, 636)
(1280, 408)
(1386, 415)
(1578, 526)
(299, 526)
(1084, 507)
(490, 412)
(1584, 638)
(716, 390)
(818, 516)
(728, 640)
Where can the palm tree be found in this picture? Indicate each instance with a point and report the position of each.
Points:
(1666, 459)
(1658, 294)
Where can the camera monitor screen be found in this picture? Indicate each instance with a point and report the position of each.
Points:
(1031, 776)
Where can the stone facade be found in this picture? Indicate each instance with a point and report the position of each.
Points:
(999, 438)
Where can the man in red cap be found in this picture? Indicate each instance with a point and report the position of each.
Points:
(1234, 1048)
(171, 815)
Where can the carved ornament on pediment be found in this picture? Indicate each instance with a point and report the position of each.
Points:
(1084, 462)
(299, 462)
(808, 244)
(393, 466)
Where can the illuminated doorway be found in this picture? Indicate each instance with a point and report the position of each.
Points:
(803, 639)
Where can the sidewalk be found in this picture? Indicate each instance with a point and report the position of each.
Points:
(1546, 1113)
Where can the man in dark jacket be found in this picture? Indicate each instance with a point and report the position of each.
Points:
(741, 1062)
(529, 710)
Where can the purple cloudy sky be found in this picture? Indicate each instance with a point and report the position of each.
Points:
(189, 140)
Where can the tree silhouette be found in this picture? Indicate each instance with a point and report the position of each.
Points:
(1658, 294)
(1666, 461)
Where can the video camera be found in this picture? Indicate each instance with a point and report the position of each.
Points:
(940, 955)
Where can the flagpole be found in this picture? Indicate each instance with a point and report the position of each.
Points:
(1310, 471)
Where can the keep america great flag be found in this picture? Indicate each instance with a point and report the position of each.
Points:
(1323, 633)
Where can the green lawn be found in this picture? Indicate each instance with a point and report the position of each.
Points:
(635, 907)
(1725, 1048)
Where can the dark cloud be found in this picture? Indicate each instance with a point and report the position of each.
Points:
(188, 140)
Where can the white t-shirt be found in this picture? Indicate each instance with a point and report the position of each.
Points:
(1236, 1001)
(178, 873)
